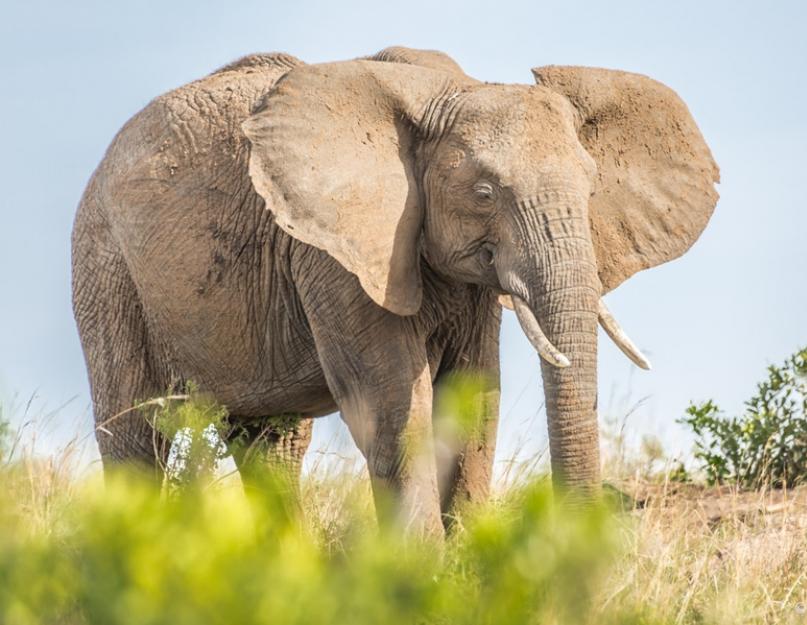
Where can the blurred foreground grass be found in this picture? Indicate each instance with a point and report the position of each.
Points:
(74, 550)
(127, 554)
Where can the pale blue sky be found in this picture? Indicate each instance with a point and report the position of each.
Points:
(74, 72)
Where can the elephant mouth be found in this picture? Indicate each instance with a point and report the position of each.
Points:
(547, 351)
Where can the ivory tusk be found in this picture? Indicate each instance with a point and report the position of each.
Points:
(618, 336)
(536, 336)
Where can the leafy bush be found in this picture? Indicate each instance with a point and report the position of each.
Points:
(767, 444)
(196, 425)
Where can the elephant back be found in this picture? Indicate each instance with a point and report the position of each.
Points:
(262, 61)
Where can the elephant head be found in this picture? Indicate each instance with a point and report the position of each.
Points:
(550, 194)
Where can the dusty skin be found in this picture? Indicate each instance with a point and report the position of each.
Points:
(297, 239)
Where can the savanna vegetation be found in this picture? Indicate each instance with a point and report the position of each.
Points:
(720, 538)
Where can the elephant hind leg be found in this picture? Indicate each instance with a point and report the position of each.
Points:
(117, 350)
(272, 444)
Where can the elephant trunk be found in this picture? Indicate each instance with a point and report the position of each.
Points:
(571, 392)
(557, 295)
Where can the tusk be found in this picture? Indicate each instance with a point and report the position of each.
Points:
(618, 336)
(532, 329)
(506, 301)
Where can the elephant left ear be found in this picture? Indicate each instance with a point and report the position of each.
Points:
(654, 191)
(332, 153)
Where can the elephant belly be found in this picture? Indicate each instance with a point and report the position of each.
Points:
(232, 325)
(253, 370)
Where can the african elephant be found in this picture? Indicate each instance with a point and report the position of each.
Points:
(404, 197)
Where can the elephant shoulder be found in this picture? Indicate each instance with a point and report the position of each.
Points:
(190, 137)
(229, 92)
(199, 123)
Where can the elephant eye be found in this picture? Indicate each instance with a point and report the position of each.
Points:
(483, 191)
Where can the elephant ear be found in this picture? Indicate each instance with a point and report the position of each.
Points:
(654, 191)
(333, 157)
(433, 59)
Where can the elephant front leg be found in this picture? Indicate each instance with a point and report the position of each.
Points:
(465, 453)
(466, 450)
(390, 422)
(377, 370)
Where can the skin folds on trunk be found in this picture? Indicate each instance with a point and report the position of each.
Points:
(571, 393)
(555, 274)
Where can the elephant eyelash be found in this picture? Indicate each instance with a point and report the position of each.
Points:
(483, 190)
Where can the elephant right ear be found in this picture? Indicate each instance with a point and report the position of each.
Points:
(654, 191)
(333, 157)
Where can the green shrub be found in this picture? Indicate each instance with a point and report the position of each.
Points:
(197, 427)
(767, 444)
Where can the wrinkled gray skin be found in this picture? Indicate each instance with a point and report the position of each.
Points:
(403, 197)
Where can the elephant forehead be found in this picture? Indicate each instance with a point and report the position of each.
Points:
(519, 134)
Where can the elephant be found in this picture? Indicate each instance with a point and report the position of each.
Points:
(298, 239)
